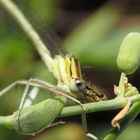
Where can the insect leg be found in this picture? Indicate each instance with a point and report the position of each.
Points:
(27, 98)
(40, 84)
(84, 124)
(91, 136)
(22, 102)
(58, 91)
(36, 83)
(55, 90)
(14, 84)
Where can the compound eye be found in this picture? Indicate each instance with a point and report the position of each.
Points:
(77, 84)
(80, 83)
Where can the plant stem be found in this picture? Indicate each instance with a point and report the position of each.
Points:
(29, 30)
(118, 102)
(122, 84)
(134, 111)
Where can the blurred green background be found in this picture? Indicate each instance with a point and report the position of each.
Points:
(91, 30)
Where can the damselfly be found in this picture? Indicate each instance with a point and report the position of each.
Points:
(65, 68)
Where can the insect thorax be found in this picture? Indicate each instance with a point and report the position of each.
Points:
(68, 73)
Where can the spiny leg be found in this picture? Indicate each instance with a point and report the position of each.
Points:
(84, 124)
(56, 90)
(84, 121)
(91, 136)
(49, 87)
(14, 84)
(59, 91)
(23, 82)
(6, 89)
(28, 97)
(43, 85)
(22, 102)
(55, 124)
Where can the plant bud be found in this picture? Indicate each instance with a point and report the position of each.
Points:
(129, 54)
(35, 118)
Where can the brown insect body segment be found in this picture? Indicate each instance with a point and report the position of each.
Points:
(93, 95)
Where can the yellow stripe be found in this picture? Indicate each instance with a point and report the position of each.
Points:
(67, 67)
(75, 68)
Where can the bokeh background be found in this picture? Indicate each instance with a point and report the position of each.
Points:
(91, 30)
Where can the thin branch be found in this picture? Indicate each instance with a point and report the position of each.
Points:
(134, 111)
(122, 84)
(19, 17)
(99, 106)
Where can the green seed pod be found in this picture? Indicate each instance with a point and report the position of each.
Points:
(35, 118)
(128, 59)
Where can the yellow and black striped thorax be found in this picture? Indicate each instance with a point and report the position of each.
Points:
(68, 72)
(66, 68)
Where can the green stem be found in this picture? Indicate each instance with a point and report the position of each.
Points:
(116, 103)
(122, 84)
(134, 111)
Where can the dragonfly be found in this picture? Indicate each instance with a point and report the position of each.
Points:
(64, 67)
